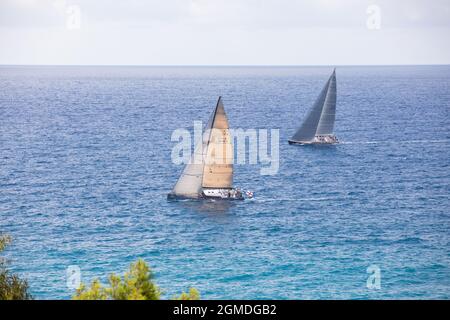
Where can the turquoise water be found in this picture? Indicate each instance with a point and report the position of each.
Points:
(85, 168)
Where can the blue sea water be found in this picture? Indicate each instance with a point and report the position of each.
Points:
(85, 166)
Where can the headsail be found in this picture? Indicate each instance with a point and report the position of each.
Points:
(190, 182)
(320, 120)
(218, 169)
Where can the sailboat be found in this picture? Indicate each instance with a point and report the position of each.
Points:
(209, 172)
(319, 123)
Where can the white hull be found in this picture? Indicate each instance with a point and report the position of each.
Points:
(222, 194)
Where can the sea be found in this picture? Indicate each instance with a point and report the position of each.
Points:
(86, 162)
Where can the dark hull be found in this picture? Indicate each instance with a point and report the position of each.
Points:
(174, 197)
(304, 143)
(296, 142)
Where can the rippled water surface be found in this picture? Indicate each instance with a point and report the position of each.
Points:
(85, 166)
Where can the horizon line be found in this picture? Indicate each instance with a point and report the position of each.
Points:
(224, 65)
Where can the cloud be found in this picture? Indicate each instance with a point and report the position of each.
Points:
(252, 13)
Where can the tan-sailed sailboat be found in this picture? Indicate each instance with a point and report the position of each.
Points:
(209, 173)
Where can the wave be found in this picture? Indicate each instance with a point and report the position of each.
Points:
(298, 199)
(396, 142)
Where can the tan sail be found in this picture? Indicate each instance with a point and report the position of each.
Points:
(218, 169)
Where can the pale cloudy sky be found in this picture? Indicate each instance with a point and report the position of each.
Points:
(225, 32)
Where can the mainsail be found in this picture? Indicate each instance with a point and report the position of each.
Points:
(211, 165)
(320, 120)
(326, 122)
(218, 169)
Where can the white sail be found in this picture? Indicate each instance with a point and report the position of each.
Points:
(190, 182)
(320, 119)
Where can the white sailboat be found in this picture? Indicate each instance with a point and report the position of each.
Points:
(209, 173)
(319, 123)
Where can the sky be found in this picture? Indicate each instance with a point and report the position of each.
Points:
(224, 32)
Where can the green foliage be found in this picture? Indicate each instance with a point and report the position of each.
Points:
(11, 286)
(95, 292)
(136, 284)
(193, 294)
(4, 241)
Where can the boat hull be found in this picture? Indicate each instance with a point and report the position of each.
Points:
(318, 140)
(211, 194)
(221, 198)
(305, 143)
